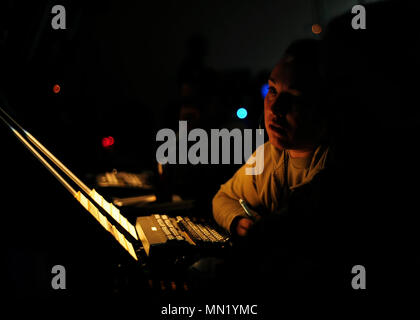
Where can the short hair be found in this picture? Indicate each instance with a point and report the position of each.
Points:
(306, 57)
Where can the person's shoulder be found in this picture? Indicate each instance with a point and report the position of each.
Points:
(265, 149)
(273, 157)
(263, 160)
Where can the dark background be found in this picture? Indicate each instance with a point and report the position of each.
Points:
(121, 66)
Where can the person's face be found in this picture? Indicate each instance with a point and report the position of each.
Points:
(289, 120)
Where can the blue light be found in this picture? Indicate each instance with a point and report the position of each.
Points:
(241, 113)
(264, 90)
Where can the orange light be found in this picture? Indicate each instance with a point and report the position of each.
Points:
(316, 28)
(56, 88)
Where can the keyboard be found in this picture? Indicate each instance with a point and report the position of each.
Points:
(160, 234)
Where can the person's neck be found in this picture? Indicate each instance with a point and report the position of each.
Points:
(302, 153)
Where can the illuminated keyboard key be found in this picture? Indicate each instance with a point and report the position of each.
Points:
(174, 231)
(165, 230)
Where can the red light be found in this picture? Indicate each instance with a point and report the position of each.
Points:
(107, 142)
(56, 88)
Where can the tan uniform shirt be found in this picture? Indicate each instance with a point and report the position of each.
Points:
(266, 189)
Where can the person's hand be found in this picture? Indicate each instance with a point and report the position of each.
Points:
(243, 226)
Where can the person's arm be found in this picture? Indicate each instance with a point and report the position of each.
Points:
(227, 210)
